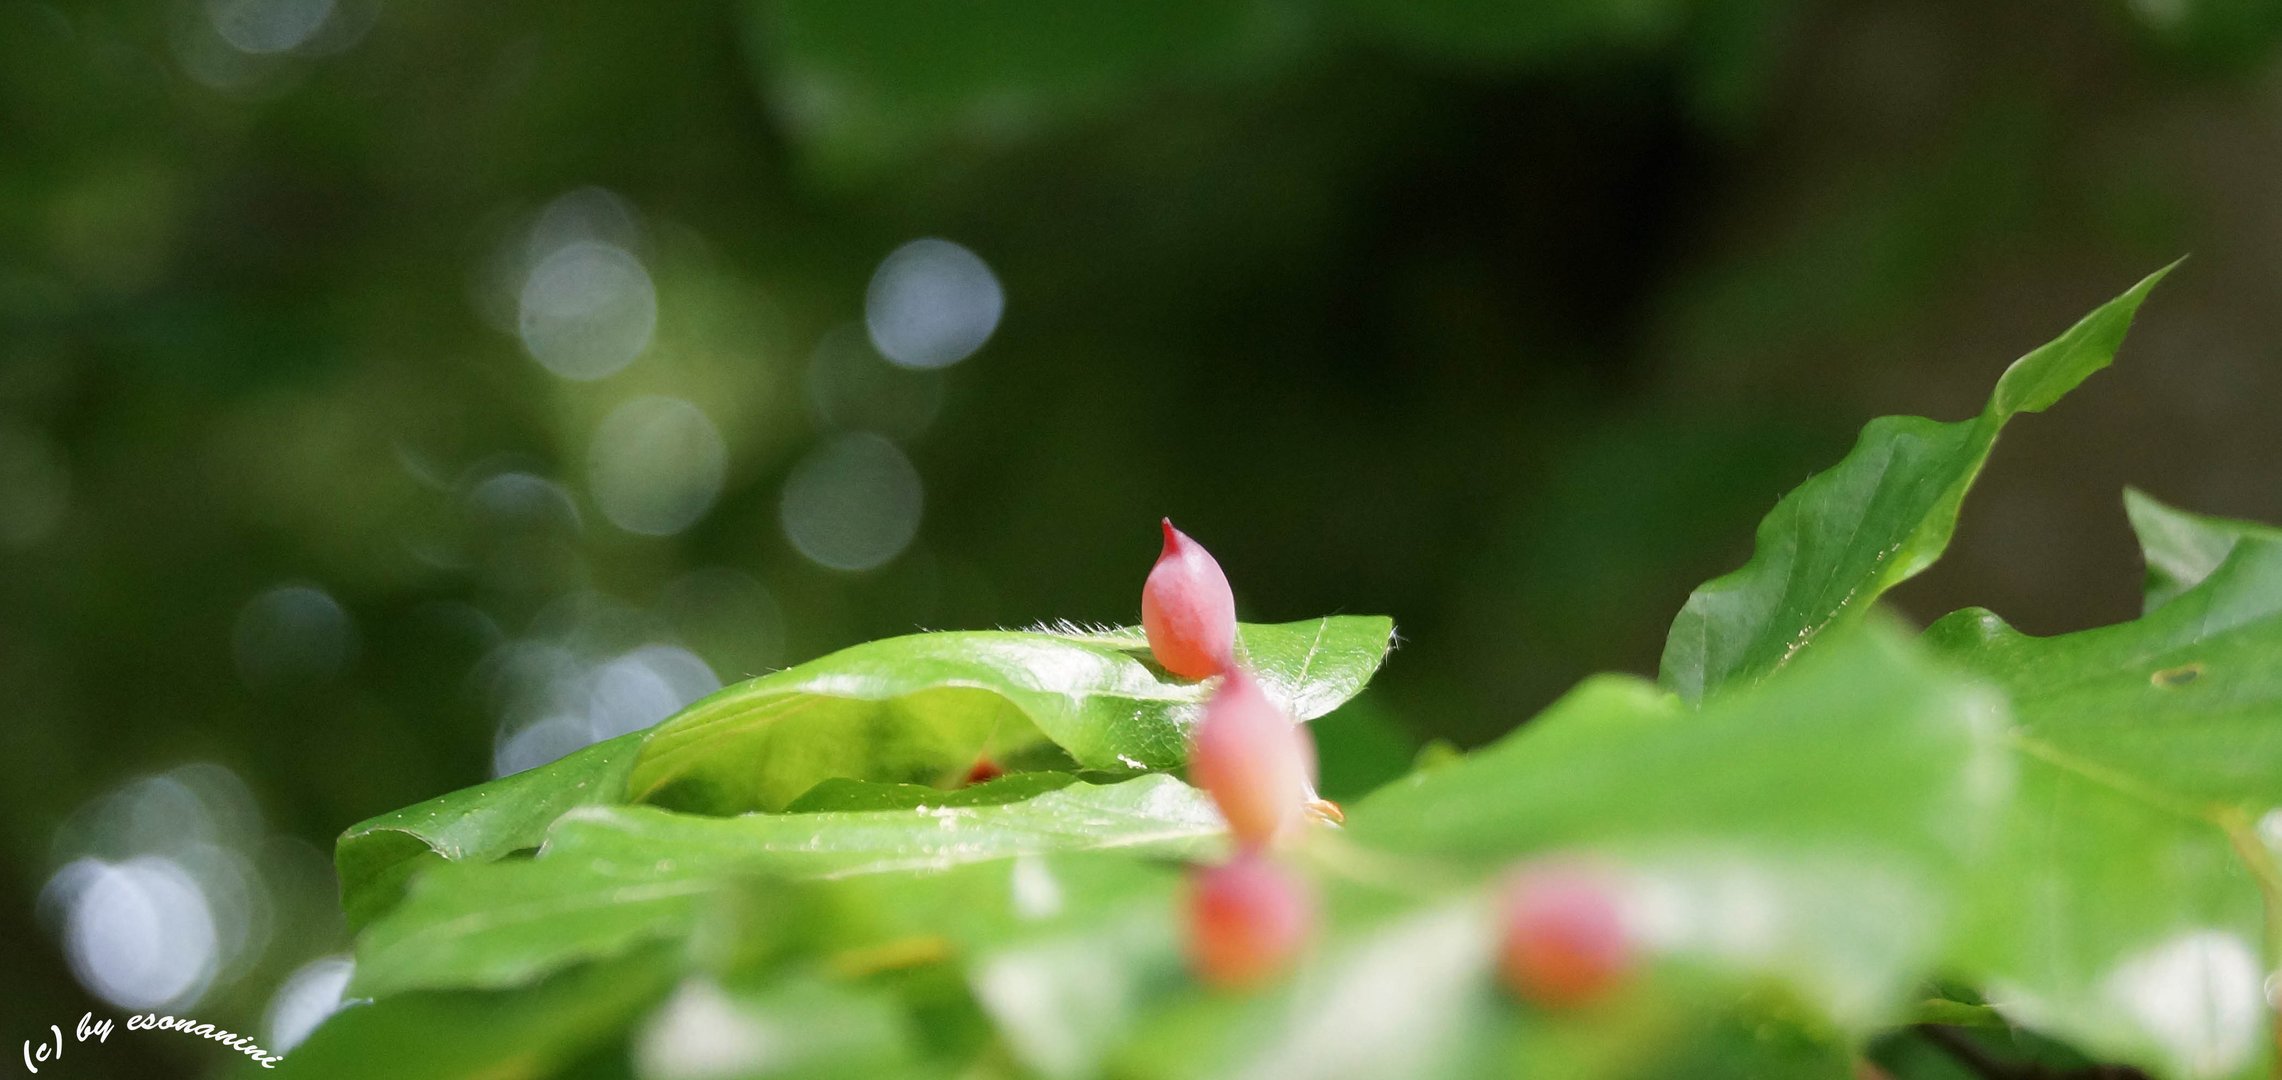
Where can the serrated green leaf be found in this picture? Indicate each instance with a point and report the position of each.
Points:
(376, 857)
(611, 878)
(1840, 540)
(2182, 549)
(921, 708)
(2126, 905)
(1812, 829)
(915, 710)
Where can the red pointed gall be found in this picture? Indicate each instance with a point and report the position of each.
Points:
(1247, 921)
(1563, 938)
(1255, 763)
(984, 771)
(1187, 609)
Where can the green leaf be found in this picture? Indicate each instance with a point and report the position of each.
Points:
(611, 878)
(1407, 995)
(2182, 549)
(803, 1026)
(473, 1035)
(1824, 867)
(481, 823)
(1410, 992)
(1840, 540)
(1064, 1000)
(1786, 857)
(921, 709)
(915, 710)
(2128, 903)
(846, 795)
(1811, 829)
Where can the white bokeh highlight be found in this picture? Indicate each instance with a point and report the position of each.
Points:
(587, 310)
(700, 1034)
(931, 304)
(656, 465)
(642, 687)
(312, 993)
(554, 701)
(165, 891)
(539, 742)
(513, 499)
(264, 27)
(292, 636)
(138, 933)
(853, 503)
(2200, 996)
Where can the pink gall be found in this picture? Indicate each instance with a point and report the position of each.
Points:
(1563, 941)
(1253, 760)
(1247, 921)
(1187, 609)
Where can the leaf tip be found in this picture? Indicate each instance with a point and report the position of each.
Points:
(2035, 381)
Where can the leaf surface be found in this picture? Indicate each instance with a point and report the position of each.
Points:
(610, 878)
(922, 708)
(845, 795)
(2182, 549)
(916, 711)
(1821, 874)
(1807, 829)
(475, 1035)
(375, 858)
(1883, 514)
(2128, 904)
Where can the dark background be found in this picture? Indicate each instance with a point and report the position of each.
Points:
(1507, 320)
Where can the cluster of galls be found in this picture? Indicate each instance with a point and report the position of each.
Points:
(1248, 917)
(1562, 939)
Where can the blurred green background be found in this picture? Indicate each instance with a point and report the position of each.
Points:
(397, 392)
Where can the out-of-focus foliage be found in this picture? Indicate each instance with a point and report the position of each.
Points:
(396, 393)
